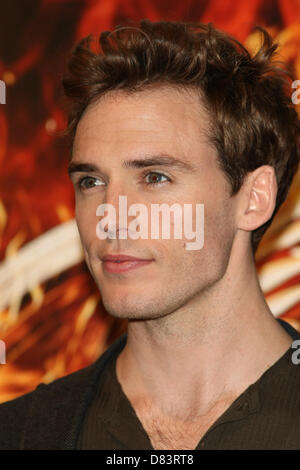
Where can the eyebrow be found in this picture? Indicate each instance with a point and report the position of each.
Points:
(159, 160)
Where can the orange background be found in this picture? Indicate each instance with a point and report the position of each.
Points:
(51, 317)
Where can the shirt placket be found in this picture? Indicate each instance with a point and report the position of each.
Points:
(245, 405)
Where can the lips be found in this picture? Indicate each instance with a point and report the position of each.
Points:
(123, 263)
(121, 258)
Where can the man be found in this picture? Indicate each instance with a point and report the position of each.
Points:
(175, 113)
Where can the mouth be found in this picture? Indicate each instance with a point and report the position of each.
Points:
(123, 263)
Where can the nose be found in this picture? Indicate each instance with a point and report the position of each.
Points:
(113, 212)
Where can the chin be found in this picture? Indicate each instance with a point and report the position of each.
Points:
(131, 308)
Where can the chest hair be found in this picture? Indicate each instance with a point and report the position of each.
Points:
(173, 433)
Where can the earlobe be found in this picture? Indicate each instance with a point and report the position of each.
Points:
(259, 191)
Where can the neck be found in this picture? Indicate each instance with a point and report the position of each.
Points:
(215, 346)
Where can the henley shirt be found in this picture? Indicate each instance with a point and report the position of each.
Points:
(265, 416)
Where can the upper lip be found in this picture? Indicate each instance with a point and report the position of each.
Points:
(122, 258)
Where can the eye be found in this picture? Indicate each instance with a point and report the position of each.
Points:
(156, 178)
(88, 182)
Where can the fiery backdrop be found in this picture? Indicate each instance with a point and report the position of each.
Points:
(51, 317)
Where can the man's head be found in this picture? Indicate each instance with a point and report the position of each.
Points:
(252, 119)
(193, 93)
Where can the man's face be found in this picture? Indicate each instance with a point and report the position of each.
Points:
(120, 128)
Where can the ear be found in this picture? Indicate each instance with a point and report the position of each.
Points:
(258, 198)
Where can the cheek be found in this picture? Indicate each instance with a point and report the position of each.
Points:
(86, 221)
(218, 240)
(209, 263)
(219, 232)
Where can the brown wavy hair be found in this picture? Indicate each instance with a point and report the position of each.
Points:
(248, 98)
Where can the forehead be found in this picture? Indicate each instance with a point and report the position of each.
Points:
(161, 119)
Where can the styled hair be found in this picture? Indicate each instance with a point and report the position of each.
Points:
(248, 98)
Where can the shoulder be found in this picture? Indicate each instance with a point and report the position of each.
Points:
(17, 413)
(289, 329)
(12, 415)
(51, 408)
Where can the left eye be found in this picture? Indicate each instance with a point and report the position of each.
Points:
(156, 178)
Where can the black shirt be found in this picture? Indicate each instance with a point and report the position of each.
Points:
(265, 416)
